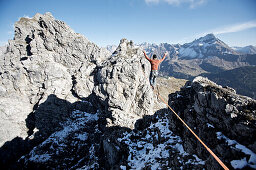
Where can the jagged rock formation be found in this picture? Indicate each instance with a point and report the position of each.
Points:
(224, 120)
(65, 103)
(48, 67)
(123, 85)
(41, 60)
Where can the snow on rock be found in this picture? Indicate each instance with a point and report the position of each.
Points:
(188, 52)
(208, 108)
(239, 164)
(69, 143)
(205, 47)
(156, 147)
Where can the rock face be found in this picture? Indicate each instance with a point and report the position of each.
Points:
(65, 103)
(224, 120)
(41, 60)
(122, 85)
(48, 67)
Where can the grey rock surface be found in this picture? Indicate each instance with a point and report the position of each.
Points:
(46, 57)
(224, 120)
(65, 103)
(122, 85)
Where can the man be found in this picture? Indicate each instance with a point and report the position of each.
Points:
(154, 68)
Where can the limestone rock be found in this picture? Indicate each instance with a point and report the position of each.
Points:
(41, 60)
(218, 115)
(46, 57)
(122, 85)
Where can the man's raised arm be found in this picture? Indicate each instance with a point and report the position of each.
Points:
(146, 56)
(164, 56)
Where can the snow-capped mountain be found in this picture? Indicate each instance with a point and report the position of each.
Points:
(204, 47)
(246, 50)
(207, 54)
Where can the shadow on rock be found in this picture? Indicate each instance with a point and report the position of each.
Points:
(46, 119)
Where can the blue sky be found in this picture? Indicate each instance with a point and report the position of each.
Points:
(173, 21)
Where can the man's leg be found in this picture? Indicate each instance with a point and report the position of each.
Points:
(155, 73)
(151, 78)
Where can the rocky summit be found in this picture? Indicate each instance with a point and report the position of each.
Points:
(66, 103)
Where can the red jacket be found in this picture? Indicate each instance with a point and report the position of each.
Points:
(154, 63)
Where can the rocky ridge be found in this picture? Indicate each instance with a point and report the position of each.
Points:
(224, 120)
(77, 106)
(48, 69)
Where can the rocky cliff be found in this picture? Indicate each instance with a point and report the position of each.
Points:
(65, 103)
(48, 70)
(225, 121)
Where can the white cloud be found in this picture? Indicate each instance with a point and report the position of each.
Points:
(192, 3)
(221, 30)
(235, 28)
(152, 1)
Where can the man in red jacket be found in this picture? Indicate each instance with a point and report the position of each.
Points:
(154, 68)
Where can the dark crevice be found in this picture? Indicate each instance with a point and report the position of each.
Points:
(42, 23)
(42, 35)
(23, 58)
(28, 47)
(27, 39)
(74, 82)
(26, 70)
(43, 86)
(61, 44)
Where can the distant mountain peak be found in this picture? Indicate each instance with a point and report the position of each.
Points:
(209, 38)
(250, 49)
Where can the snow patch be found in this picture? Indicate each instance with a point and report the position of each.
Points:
(145, 152)
(71, 128)
(209, 125)
(188, 52)
(239, 163)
